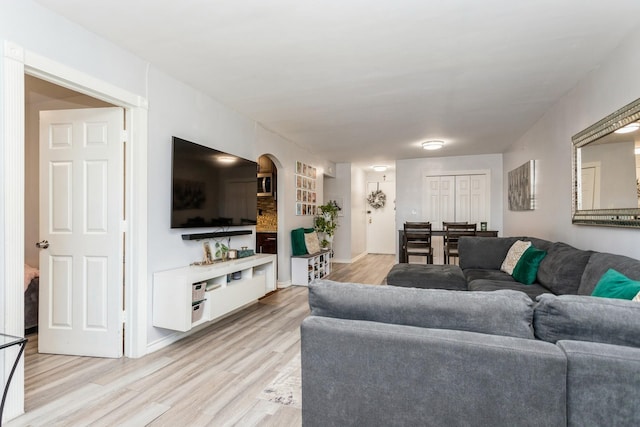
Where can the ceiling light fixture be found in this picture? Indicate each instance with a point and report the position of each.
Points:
(379, 168)
(631, 127)
(432, 145)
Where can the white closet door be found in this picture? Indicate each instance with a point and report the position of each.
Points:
(431, 207)
(478, 199)
(463, 198)
(447, 200)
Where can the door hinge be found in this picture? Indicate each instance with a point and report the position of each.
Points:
(123, 226)
(124, 135)
(123, 317)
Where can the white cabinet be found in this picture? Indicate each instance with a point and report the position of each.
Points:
(189, 296)
(306, 268)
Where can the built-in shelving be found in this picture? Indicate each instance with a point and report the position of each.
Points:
(215, 234)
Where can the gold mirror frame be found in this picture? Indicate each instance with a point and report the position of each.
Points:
(623, 217)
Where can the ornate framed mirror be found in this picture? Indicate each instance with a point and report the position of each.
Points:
(606, 170)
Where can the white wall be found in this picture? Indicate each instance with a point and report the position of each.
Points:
(601, 92)
(410, 194)
(340, 188)
(358, 212)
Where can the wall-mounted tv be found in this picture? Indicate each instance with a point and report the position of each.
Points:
(211, 188)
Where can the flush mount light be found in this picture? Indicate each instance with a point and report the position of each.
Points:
(631, 127)
(379, 168)
(432, 145)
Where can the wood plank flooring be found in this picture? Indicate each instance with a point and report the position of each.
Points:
(210, 378)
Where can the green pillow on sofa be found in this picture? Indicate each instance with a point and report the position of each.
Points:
(613, 284)
(526, 269)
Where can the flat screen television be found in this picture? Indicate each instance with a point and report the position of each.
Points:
(211, 188)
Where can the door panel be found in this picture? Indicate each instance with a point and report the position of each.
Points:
(381, 232)
(81, 199)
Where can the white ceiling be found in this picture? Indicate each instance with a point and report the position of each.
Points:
(365, 81)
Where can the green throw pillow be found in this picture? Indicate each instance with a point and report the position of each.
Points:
(613, 284)
(526, 269)
(298, 246)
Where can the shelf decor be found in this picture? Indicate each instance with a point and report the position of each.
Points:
(306, 196)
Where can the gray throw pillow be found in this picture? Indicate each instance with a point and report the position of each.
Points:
(586, 318)
(505, 312)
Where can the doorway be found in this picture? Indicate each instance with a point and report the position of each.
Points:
(17, 62)
(381, 232)
(267, 225)
(40, 95)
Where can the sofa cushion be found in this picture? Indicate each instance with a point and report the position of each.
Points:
(513, 255)
(496, 275)
(483, 252)
(427, 276)
(599, 263)
(526, 269)
(561, 270)
(494, 285)
(613, 284)
(505, 313)
(585, 318)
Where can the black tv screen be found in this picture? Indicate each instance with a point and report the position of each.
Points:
(211, 188)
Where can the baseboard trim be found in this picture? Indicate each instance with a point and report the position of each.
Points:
(285, 284)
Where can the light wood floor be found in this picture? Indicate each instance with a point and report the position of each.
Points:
(211, 378)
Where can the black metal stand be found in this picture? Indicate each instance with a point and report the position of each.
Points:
(5, 342)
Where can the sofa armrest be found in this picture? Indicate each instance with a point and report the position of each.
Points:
(367, 373)
(602, 384)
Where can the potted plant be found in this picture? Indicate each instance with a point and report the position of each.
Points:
(221, 251)
(326, 221)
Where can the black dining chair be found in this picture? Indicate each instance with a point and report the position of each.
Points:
(452, 233)
(417, 240)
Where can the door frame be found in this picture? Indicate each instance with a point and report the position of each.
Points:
(16, 61)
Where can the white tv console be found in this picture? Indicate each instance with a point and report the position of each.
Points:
(186, 297)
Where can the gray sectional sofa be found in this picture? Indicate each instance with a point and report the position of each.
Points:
(564, 270)
(395, 356)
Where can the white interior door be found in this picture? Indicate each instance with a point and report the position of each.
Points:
(81, 212)
(381, 232)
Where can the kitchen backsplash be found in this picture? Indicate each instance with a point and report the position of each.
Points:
(267, 214)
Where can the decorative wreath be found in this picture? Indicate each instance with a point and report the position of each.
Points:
(377, 199)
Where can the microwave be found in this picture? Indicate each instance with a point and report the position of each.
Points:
(265, 184)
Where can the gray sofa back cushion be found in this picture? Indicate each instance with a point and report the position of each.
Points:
(599, 263)
(585, 318)
(506, 313)
(484, 252)
(561, 270)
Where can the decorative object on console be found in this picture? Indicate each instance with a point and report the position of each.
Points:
(306, 196)
(222, 251)
(206, 247)
(522, 187)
